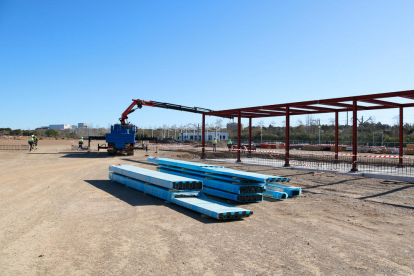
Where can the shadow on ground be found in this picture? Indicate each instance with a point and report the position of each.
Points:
(136, 198)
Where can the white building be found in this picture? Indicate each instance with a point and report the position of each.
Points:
(82, 125)
(61, 126)
(209, 135)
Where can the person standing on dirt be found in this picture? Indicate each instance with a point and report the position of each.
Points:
(31, 141)
(229, 143)
(215, 144)
(35, 140)
(80, 143)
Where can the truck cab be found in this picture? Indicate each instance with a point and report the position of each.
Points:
(121, 139)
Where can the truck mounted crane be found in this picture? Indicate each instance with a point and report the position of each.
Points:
(122, 136)
(140, 103)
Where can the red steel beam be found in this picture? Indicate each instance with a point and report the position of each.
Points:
(239, 137)
(320, 108)
(287, 139)
(382, 103)
(340, 105)
(354, 138)
(336, 135)
(401, 137)
(255, 115)
(409, 93)
(250, 134)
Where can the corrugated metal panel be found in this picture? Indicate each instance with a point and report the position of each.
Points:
(290, 190)
(158, 178)
(217, 184)
(192, 200)
(218, 170)
(276, 195)
(183, 164)
(239, 198)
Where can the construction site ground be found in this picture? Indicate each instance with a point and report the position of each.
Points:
(61, 215)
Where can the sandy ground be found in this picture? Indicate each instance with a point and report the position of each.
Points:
(60, 215)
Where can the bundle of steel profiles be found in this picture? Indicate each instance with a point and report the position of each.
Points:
(229, 183)
(182, 191)
(220, 188)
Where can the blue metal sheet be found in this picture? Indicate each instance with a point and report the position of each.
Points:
(238, 198)
(182, 164)
(290, 190)
(220, 171)
(276, 195)
(158, 178)
(215, 176)
(217, 184)
(196, 201)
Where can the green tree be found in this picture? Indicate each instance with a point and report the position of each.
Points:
(51, 133)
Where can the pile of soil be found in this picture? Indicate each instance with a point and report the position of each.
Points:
(191, 142)
(168, 141)
(11, 137)
(377, 151)
(220, 144)
(188, 156)
(7, 137)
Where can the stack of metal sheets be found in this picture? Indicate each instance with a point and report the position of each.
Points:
(180, 190)
(228, 183)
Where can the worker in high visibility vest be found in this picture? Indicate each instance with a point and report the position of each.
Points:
(214, 144)
(80, 143)
(35, 140)
(229, 143)
(31, 141)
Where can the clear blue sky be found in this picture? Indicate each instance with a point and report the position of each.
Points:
(83, 61)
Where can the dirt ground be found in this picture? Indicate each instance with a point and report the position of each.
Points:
(60, 215)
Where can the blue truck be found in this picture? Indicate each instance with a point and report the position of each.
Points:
(121, 139)
(122, 136)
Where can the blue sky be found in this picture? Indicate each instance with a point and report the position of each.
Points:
(83, 61)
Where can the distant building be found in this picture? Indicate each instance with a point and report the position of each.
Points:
(233, 126)
(42, 128)
(209, 135)
(82, 125)
(60, 127)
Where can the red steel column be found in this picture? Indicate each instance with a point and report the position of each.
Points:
(287, 139)
(203, 138)
(239, 137)
(401, 137)
(336, 134)
(250, 134)
(354, 137)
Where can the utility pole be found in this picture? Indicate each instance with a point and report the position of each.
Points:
(261, 134)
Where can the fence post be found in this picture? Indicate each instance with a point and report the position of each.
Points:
(287, 138)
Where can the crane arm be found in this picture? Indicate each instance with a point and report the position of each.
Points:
(129, 110)
(140, 103)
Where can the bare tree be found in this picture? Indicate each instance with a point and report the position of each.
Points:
(261, 124)
(218, 125)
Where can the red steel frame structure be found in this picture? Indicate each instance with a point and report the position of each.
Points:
(335, 105)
